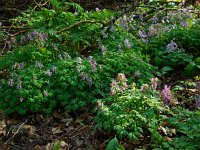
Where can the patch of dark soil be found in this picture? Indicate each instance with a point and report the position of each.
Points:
(68, 131)
(38, 133)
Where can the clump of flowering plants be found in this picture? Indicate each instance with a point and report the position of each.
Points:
(131, 112)
(118, 85)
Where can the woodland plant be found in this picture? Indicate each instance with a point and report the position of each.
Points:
(43, 85)
(70, 58)
(130, 113)
(175, 53)
(187, 127)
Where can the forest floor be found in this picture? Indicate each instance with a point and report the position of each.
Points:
(61, 129)
(64, 131)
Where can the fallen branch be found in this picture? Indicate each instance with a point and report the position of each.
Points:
(13, 27)
(78, 23)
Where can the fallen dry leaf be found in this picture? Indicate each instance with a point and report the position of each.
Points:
(56, 130)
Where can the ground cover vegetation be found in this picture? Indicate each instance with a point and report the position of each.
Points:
(138, 68)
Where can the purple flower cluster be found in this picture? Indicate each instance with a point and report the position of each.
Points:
(18, 65)
(51, 71)
(11, 42)
(127, 43)
(85, 76)
(166, 95)
(172, 46)
(38, 65)
(185, 24)
(19, 83)
(118, 85)
(33, 36)
(93, 63)
(124, 22)
(151, 31)
(97, 9)
(10, 82)
(155, 19)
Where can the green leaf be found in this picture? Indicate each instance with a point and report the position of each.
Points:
(166, 69)
(113, 144)
(57, 146)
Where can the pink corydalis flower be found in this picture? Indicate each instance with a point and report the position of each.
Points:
(166, 95)
(97, 9)
(113, 87)
(154, 83)
(121, 77)
(118, 85)
(43, 37)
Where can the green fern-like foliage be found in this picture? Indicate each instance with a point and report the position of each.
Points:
(130, 113)
(187, 124)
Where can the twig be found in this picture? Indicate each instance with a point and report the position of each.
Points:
(13, 27)
(19, 33)
(16, 131)
(9, 130)
(38, 5)
(78, 23)
(10, 9)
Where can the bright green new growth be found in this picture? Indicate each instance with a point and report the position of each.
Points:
(130, 113)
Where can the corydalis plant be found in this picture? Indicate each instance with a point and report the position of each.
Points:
(118, 85)
(166, 95)
(154, 83)
(172, 46)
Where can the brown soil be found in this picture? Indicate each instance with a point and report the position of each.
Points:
(68, 132)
